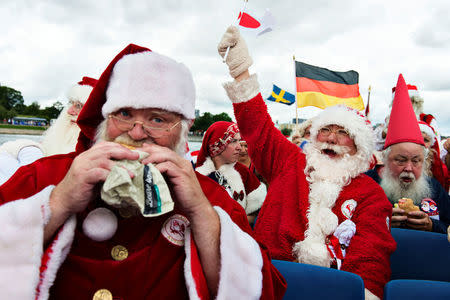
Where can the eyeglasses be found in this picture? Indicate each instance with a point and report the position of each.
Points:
(76, 104)
(156, 130)
(340, 133)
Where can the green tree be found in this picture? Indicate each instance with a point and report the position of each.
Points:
(10, 98)
(286, 131)
(203, 122)
(32, 110)
(6, 114)
(52, 112)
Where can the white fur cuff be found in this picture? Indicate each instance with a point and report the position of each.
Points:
(21, 244)
(368, 295)
(242, 91)
(241, 262)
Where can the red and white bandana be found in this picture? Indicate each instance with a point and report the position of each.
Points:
(216, 139)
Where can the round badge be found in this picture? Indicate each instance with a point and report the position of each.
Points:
(174, 228)
(119, 253)
(348, 208)
(102, 294)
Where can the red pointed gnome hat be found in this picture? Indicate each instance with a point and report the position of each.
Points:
(91, 114)
(403, 126)
(215, 140)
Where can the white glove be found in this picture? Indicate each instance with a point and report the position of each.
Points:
(238, 59)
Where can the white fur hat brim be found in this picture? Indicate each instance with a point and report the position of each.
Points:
(150, 80)
(79, 93)
(355, 123)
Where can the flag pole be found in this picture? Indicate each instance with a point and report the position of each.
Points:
(236, 23)
(368, 102)
(295, 89)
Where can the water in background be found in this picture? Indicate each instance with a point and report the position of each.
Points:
(193, 146)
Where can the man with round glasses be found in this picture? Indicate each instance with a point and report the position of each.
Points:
(404, 174)
(65, 242)
(320, 209)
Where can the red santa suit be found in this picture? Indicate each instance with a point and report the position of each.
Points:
(242, 184)
(302, 218)
(147, 258)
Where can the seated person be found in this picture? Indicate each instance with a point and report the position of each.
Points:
(404, 174)
(69, 243)
(217, 159)
(320, 209)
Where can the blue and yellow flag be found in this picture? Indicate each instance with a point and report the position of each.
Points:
(281, 96)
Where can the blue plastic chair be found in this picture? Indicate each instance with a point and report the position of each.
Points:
(420, 255)
(417, 290)
(313, 282)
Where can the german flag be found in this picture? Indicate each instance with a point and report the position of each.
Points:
(321, 87)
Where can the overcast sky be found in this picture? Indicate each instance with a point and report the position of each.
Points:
(48, 45)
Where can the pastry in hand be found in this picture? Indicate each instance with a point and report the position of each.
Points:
(407, 205)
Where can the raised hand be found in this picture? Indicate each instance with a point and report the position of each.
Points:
(238, 59)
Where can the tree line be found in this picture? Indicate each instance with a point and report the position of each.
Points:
(12, 105)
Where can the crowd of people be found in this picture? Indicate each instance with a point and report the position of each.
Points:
(123, 214)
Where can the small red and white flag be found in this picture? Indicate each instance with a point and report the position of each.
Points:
(256, 26)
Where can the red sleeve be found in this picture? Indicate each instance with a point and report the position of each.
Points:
(274, 284)
(268, 148)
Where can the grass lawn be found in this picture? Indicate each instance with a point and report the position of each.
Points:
(23, 127)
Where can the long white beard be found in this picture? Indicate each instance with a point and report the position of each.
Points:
(179, 147)
(395, 189)
(326, 178)
(62, 136)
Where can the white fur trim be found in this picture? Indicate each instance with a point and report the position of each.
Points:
(321, 223)
(21, 245)
(150, 80)
(256, 198)
(232, 176)
(79, 93)
(188, 276)
(241, 262)
(242, 91)
(368, 295)
(100, 224)
(428, 131)
(13, 147)
(361, 132)
(60, 249)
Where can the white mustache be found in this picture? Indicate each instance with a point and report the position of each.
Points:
(407, 175)
(336, 148)
(125, 139)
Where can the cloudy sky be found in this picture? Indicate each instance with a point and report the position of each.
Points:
(48, 45)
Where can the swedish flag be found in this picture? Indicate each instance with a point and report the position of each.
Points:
(281, 96)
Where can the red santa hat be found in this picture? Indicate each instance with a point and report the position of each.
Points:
(216, 139)
(148, 79)
(353, 121)
(403, 126)
(428, 130)
(180, 100)
(80, 91)
(412, 91)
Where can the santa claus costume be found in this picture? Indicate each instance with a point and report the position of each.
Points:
(238, 180)
(60, 138)
(310, 217)
(105, 252)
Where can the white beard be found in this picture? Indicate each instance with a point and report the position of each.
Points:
(320, 167)
(62, 136)
(179, 147)
(395, 189)
(326, 177)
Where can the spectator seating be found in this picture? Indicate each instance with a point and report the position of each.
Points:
(313, 282)
(416, 290)
(420, 255)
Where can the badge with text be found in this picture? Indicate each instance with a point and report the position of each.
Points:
(173, 229)
(348, 208)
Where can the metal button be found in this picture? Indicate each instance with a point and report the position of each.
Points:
(119, 252)
(102, 294)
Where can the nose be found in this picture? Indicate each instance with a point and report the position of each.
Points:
(238, 147)
(137, 133)
(408, 166)
(332, 138)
